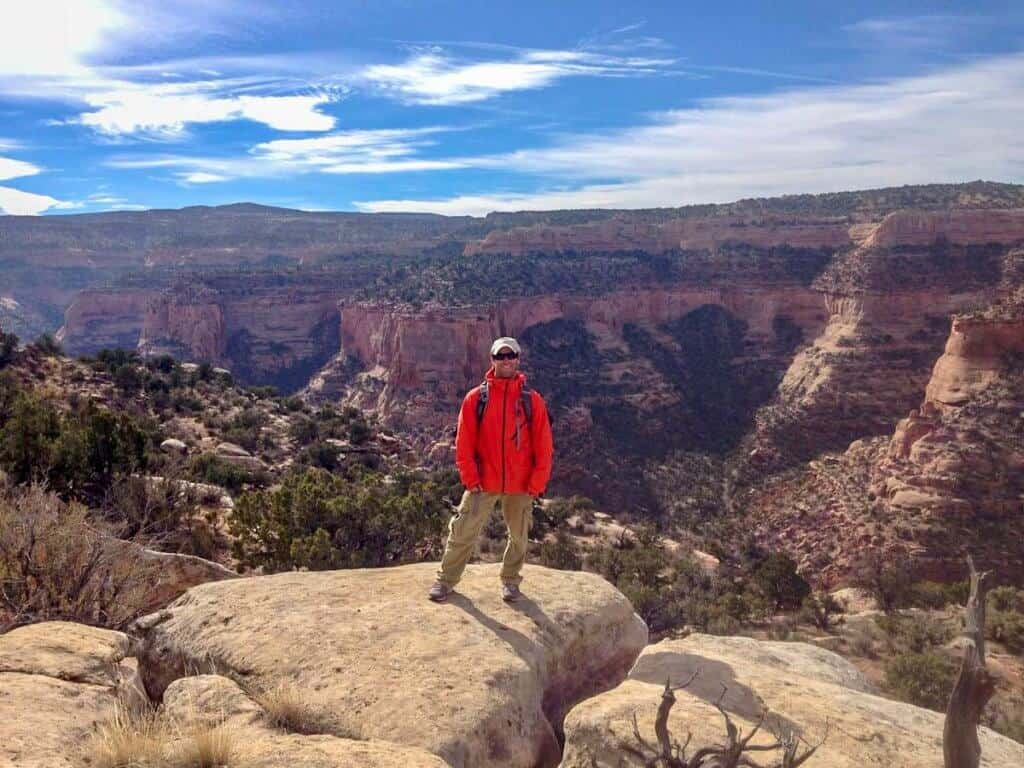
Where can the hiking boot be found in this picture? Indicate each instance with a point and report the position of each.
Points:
(510, 592)
(439, 592)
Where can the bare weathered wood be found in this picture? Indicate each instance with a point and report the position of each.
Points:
(974, 685)
(734, 753)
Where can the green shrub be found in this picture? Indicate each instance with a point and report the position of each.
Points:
(47, 345)
(887, 580)
(359, 432)
(562, 553)
(923, 679)
(112, 359)
(1006, 627)
(77, 454)
(322, 455)
(915, 634)
(776, 576)
(8, 347)
(208, 468)
(128, 379)
(934, 595)
(27, 438)
(293, 404)
(320, 521)
(161, 364)
(822, 610)
(1006, 599)
(304, 430)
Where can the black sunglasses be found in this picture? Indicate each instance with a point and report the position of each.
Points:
(505, 356)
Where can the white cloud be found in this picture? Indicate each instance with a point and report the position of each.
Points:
(13, 169)
(17, 203)
(953, 125)
(53, 37)
(168, 109)
(201, 177)
(434, 78)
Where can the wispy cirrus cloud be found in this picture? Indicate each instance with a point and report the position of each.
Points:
(434, 77)
(369, 151)
(342, 152)
(934, 31)
(954, 125)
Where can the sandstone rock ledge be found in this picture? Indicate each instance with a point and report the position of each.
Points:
(474, 681)
(57, 681)
(803, 686)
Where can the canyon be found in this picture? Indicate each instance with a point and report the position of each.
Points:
(697, 362)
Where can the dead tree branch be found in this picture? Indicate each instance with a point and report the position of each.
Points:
(734, 753)
(974, 685)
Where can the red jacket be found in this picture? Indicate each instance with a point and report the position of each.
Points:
(504, 454)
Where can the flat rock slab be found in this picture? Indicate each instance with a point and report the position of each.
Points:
(58, 680)
(807, 689)
(212, 700)
(64, 650)
(475, 681)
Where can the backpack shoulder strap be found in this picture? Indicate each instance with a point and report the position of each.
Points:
(481, 403)
(526, 396)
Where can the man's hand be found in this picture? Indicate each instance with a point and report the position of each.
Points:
(475, 489)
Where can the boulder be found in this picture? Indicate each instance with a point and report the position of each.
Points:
(237, 455)
(57, 681)
(808, 690)
(173, 445)
(213, 700)
(475, 681)
(160, 577)
(225, 450)
(855, 599)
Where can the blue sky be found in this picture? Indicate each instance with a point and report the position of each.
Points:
(467, 107)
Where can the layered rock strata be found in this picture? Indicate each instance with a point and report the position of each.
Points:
(445, 350)
(262, 334)
(101, 319)
(946, 482)
(955, 466)
(889, 301)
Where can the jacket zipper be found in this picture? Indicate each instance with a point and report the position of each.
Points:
(504, 413)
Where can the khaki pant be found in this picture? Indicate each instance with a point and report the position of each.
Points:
(464, 530)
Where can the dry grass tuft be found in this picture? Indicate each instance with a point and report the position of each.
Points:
(286, 708)
(208, 746)
(132, 738)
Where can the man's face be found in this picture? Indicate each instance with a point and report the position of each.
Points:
(505, 363)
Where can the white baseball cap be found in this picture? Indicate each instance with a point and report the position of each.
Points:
(505, 341)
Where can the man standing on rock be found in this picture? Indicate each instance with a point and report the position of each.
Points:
(503, 450)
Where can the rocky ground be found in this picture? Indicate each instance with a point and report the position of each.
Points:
(356, 668)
